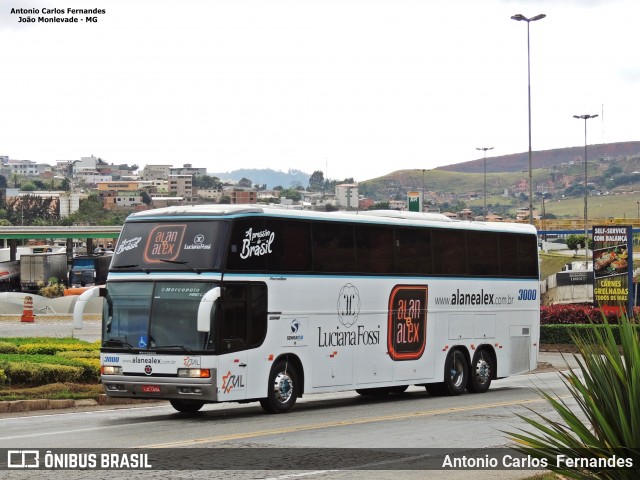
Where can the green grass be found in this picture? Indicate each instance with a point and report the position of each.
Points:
(53, 391)
(552, 263)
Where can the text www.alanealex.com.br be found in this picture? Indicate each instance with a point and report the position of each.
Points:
(484, 298)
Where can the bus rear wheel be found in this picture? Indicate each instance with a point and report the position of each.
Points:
(283, 389)
(186, 406)
(481, 372)
(456, 373)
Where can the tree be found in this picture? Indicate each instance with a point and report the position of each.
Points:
(207, 182)
(146, 198)
(380, 206)
(291, 194)
(91, 211)
(316, 181)
(245, 183)
(31, 209)
(574, 242)
(66, 184)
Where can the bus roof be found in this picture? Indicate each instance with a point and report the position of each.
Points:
(387, 217)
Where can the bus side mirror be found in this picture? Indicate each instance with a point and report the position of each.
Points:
(81, 303)
(205, 307)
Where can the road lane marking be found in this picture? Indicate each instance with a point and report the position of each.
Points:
(340, 423)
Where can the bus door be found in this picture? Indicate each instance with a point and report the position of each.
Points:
(242, 327)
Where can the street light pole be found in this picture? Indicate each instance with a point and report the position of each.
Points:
(586, 228)
(484, 149)
(422, 196)
(521, 18)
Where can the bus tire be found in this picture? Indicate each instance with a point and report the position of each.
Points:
(456, 373)
(186, 406)
(436, 389)
(283, 388)
(399, 389)
(482, 371)
(373, 392)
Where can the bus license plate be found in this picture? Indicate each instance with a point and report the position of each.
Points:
(150, 389)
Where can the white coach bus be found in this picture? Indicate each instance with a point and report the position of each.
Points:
(219, 303)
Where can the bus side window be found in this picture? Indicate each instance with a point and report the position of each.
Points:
(333, 248)
(291, 247)
(449, 252)
(483, 254)
(413, 251)
(243, 310)
(247, 245)
(374, 249)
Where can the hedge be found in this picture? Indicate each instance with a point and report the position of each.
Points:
(79, 354)
(578, 314)
(89, 368)
(34, 374)
(6, 347)
(559, 334)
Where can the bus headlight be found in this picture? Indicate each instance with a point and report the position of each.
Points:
(194, 372)
(111, 370)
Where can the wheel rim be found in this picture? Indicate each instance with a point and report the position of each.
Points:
(482, 371)
(283, 387)
(457, 371)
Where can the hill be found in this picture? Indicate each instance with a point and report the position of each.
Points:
(266, 176)
(517, 162)
(558, 175)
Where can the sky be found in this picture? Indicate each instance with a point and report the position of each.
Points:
(354, 88)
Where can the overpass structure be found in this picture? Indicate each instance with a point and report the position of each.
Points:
(9, 236)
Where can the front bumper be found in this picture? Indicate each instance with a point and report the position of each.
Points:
(161, 388)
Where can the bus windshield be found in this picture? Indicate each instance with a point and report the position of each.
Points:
(186, 246)
(154, 316)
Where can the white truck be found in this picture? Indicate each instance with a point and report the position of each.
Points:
(38, 268)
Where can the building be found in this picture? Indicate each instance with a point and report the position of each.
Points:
(113, 200)
(70, 202)
(210, 194)
(347, 195)
(24, 168)
(93, 177)
(397, 205)
(119, 186)
(85, 163)
(155, 172)
(187, 169)
(181, 186)
(241, 195)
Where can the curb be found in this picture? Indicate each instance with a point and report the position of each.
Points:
(17, 406)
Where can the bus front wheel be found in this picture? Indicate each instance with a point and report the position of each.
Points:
(186, 406)
(456, 373)
(283, 388)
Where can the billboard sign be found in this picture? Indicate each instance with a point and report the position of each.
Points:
(613, 267)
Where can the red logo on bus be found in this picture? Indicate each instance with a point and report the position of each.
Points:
(407, 324)
(164, 243)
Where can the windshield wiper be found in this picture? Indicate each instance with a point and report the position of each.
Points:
(145, 270)
(177, 262)
(175, 347)
(117, 341)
